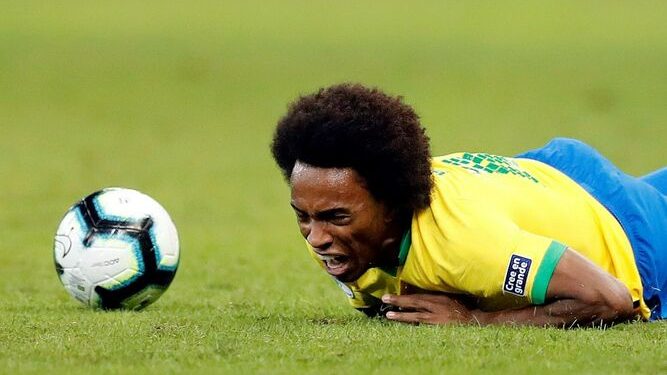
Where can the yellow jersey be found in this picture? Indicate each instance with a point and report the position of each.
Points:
(495, 230)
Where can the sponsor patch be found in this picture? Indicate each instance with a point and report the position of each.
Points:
(516, 276)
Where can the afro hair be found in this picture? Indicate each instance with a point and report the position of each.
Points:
(352, 126)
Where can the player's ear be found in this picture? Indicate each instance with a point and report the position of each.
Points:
(395, 215)
(391, 216)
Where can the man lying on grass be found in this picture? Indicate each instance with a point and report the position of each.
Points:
(556, 236)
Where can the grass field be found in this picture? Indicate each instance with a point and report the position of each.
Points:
(180, 101)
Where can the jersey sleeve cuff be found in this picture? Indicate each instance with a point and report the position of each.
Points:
(546, 271)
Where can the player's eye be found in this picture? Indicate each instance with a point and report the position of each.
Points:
(301, 217)
(340, 219)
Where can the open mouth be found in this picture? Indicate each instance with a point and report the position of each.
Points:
(336, 264)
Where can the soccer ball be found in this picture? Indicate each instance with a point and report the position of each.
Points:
(116, 249)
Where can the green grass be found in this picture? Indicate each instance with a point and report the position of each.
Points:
(180, 101)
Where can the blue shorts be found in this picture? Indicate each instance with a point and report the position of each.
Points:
(639, 204)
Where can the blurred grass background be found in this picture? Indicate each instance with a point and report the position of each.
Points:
(179, 100)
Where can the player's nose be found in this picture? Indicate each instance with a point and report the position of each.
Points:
(318, 237)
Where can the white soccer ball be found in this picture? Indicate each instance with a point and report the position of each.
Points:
(116, 248)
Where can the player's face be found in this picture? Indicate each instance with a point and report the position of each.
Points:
(346, 226)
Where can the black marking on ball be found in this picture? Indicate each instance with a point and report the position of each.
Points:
(99, 222)
(59, 269)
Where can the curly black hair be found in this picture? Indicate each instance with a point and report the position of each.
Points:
(352, 126)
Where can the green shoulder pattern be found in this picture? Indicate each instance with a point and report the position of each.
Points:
(487, 163)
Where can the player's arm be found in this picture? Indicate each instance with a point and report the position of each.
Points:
(579, 294)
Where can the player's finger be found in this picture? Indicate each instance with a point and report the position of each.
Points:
(439, 299)
(408, 301)
(408, 317)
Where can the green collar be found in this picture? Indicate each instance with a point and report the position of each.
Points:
(402, 254)
(405, 247)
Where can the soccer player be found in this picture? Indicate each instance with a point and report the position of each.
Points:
(556, 236)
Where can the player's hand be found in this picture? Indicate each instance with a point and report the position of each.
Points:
(428, 308)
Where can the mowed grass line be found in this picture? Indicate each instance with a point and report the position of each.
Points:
(179, 102)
